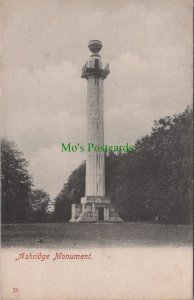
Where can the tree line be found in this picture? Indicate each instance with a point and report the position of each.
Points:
(151, 184)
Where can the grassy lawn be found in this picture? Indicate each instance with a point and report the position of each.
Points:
(99, 235)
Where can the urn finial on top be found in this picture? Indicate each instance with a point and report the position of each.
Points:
(95, 46)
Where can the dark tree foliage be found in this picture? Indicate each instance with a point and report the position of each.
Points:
(39, 202)
(71, 193)
(16, 184)
(153, 183)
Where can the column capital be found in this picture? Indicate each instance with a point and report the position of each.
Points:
(88, 72)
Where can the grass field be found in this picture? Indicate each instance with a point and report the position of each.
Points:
(98, 235)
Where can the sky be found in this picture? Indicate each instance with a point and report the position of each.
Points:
(148, 44)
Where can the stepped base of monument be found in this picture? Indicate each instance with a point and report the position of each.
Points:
(95, 209)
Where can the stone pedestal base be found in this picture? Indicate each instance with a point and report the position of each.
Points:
(95, 209)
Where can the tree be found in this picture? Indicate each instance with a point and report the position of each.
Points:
(16, 184)
(40, 201)
(62, 207)
(165, 158)
(72, 191)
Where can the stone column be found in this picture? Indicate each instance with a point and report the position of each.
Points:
(95, 74)
(95, 170)
(95, 199)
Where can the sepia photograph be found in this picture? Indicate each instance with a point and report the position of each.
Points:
(96, 149)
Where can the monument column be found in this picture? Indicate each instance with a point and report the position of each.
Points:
(95, 205)
(95, 74)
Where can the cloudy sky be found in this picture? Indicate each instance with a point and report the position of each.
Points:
(148, 45)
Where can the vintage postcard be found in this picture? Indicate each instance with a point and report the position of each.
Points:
(96, 149)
